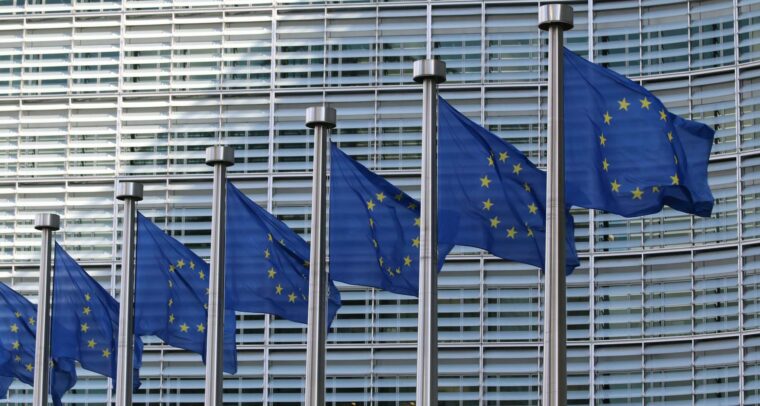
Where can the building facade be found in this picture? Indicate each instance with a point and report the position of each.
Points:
(664, 310)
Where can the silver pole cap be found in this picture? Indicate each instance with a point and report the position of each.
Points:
(320, 115)
(429, 69)
(219, 154)
(129, 190)
(555, 14)
(47, 221)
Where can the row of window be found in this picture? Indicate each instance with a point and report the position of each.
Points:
(326, 47)
(701, 372)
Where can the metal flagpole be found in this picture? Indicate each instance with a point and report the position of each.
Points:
(430, 73)
(130, 193)
(220, 158)
(321, 119)
(555, 18)
(47, 223)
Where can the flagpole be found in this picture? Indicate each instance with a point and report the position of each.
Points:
(220, 158)
(430, 73)
(130, 193)
(47, 223)
(321, 119)
(555, 18)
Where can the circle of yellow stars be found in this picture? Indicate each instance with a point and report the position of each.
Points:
(188, 267)
(623, 106)
(16, 346)
(85, 327)
(399, 197)
(485, 183)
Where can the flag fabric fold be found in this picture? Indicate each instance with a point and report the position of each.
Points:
(490, 196)
(18, 324)
(171, 294)
(85, 320)
(374, 229)
(625, 153)
(267, 263)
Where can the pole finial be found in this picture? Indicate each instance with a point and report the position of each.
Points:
(555, 14)
(320, 115)
(129, 190)
(219, 154)
(47, 221)
(429, 68)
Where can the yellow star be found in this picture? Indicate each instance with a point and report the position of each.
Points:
(675, 158)
(306, 263)
(181, 263)
(503, 156)
(645, 103)
(511, 233)
(371, 223)
(412, 206)
(607, 118)
(623, 104)
(417, 221)
(416, 242)
(271, 272)
(171, 318)
(266, 253)
(17, 358)
(184, 327)
(16, 345)
(91, 343)
(487, 204)
(533, 208)
(106, 353)
(29, 367)
(526, 186)
(32, 321)
(202, 275)
(490, 160)
(390, 272)
(278, 289)
(399, 196)
(282, 242)
(171, 268)
(407, 261)
(192, 265)
(655, 189)
(374, 242)
(674, 179)
(602, 140)
(637, 193)
(14, 328)
(292, 297)
(201, 328)
(605, 165)
(380, 196)
(84, 327)
(517, 168)
(530, 231)
(381, 261)
(484, 181)
(171, 284)
(615, 186)
(87, 297)
(269, 237)
(18, 315)
(398, 270)
(670, 136)
(371, 205)
(663, 116)
(171, 302)
(495, 222)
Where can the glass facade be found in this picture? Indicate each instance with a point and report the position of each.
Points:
(664, 310)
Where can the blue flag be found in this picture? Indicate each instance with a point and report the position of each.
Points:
(490, 196)
(374, 229)
(85, 320)
(171, 294)
(267, 264)
(18, 324)
(624, 152)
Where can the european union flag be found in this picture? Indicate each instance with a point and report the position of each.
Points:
(374, 229)
(624, 152)
(490, 196)
(85, 320)
(267, 264)
(171, 294)
(18, 328)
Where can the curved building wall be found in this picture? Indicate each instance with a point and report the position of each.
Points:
(664, 310)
